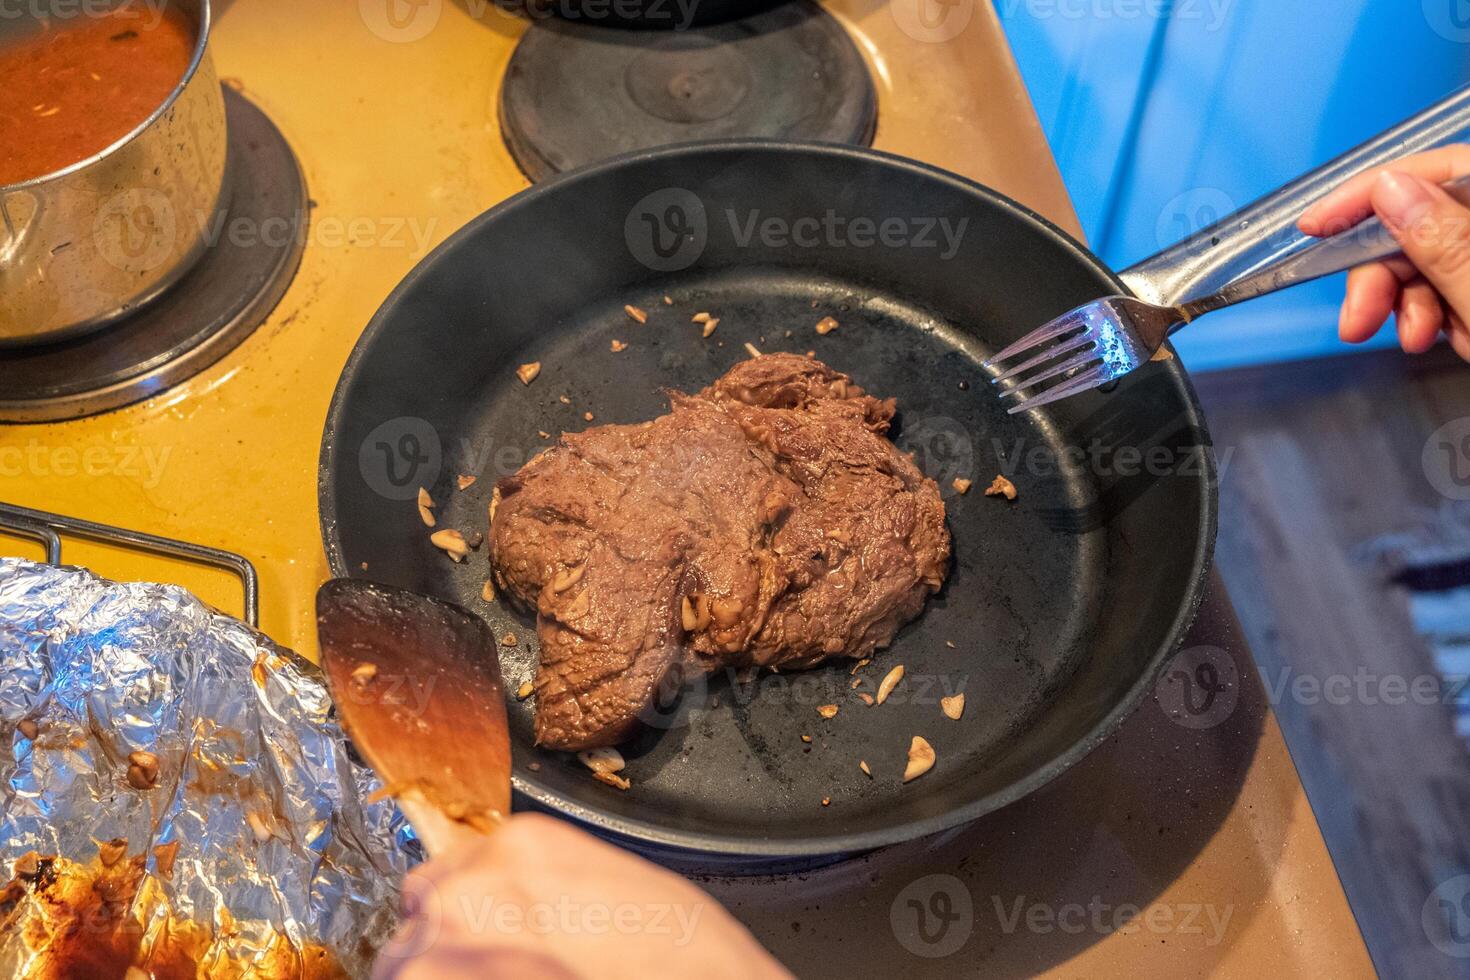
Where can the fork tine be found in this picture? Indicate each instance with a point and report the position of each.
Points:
(1085, 381)
(1069, 347)
(1065, 323)
(1072, 363)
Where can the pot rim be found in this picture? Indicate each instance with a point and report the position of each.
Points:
(201, 46)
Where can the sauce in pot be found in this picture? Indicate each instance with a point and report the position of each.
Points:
(78, 85)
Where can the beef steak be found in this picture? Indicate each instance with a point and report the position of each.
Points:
(766, 521)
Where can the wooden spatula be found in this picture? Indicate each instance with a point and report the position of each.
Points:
(417, 686)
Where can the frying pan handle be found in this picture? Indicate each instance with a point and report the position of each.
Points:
(1264, 233)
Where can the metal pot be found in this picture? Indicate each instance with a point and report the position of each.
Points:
(83, 246)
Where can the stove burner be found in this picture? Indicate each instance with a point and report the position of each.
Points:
(575, 92)
(198, 320)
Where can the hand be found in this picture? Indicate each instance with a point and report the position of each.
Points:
(540, 900)
(1429, 289)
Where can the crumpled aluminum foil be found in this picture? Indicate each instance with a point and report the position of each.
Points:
(256, 784)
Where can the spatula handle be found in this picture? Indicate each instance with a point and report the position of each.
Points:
(435, 830)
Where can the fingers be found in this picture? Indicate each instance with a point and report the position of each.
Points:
(1459, 335)
(1372, 294)
(1421, 317)
(1351, 202)
(1432, 228)
(1429, 288)
(568, 905)
(455, 960)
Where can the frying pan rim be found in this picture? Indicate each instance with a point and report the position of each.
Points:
(638, 831)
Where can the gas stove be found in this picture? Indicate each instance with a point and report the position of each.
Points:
(1173, 849)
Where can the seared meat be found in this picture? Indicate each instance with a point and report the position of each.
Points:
(765, 521)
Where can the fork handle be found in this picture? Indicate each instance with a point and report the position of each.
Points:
(1367, 241)
(1262, 233)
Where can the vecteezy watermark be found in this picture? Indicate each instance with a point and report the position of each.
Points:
(1187, 214)
(136, 229)
(1191, 212)
(1446, 459)
(407, 695)
(1445, 917)
(567, 917)
(673, 14)
(683, 698)
(942, 450)
(933, 917)
(407, 21)
(667, 230)
(833, 230)
(404, 453)
(139, 230)
(1366, 687)
(932, 21)
(401, 21)
(1211, 13)
(146, 14)
(411, 234)
(1102, 918)
(1428, 232)
(142, 464)
(1450, 19)
(399, 456)
(429, 915)
(1199, 688)
(1107, 461)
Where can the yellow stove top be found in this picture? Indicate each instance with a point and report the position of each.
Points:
(391, 108)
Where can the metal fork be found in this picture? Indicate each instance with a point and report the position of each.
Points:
(1251, 253)
(1109, 337)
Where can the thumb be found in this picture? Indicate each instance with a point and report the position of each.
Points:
(1432, 228)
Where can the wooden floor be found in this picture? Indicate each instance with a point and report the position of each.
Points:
(1320, 460)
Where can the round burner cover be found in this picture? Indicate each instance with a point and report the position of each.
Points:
(576, 92)
(206, 314)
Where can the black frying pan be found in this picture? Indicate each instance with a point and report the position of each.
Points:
(1061, 606)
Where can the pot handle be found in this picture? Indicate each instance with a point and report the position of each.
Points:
(1265, 232)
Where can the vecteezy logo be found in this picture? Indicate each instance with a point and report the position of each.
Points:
(1450, 19)
(677, 698)
(667, 230)
(933, 917)
(1190, 213)
(933, 21)
(136, 230)
(400, 21)
(423, 922)
(400, 456)
(1446, 917)
(1446, 459)
(1199, 688)
(942, 449)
